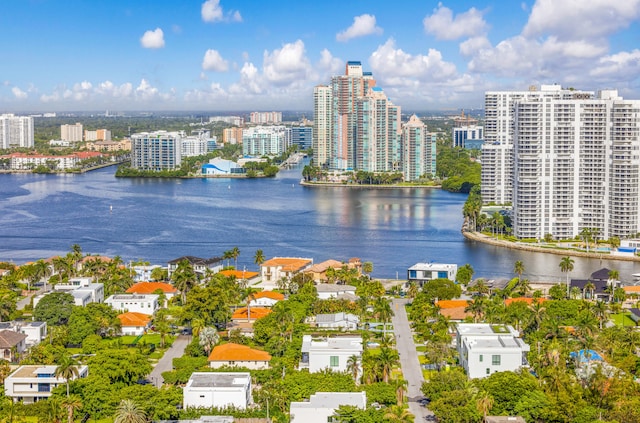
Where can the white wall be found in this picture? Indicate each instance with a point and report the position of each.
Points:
(215, 397)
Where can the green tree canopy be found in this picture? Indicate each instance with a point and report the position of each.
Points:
(54, 308)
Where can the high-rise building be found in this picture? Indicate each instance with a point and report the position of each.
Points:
(322, 132)
(160, 150)
(299, 135)
(261, 118)
(97, 135)
(419, 156)
(16, 131)
(497, 150)
(231, 120)
(468, 136)
(576, 166)
(71, 133)
(264, 141)
(232, 135)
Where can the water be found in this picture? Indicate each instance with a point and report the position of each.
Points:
(159, 220)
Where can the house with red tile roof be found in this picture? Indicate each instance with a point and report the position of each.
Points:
(134, 323)
(318, 272)
(265, 298)
(241, 275)
(239, 355)
(454, 309)
(283, 267)
(527, 300)
(145, 288)
(250, 314)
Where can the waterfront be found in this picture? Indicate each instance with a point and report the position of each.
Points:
(161, 219)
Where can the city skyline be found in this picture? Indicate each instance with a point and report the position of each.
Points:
(239, 55)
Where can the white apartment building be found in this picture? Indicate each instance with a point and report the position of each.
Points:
(265, 117)
(264, 141)
(145, 304)
(231, 120)
(160, 150)
(421, 273)
(497, 150)
(32, 383)
(194, 146)
(222, 390)
(329, 353)
(576, 166)
(72, 133)
(485, 349)
(419, 155)
(321, 141)
(322, 405)
(16, 131)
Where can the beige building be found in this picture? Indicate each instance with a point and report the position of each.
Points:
(232, 135)
(71, 133)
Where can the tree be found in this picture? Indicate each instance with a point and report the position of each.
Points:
(484, 402)
(367, 267)
(465, 274)
(442, 289)
(67, 369)
(71, 403)
(208, 339)
(184, 278)
(235, 253)
(399, 414)
(588, 290)
(54, 308)
(387, 360)
(566, 266)
(129, 412)
(159, 274)
(353, 367)
(518, 269)
(120, 366)
(258, 257)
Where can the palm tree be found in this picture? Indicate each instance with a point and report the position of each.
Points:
(413, 290)
(353, 367)
(387, 360)
(67, 369)
(518, 269)
(367, 267)
(129, 412)
(397, 413)
(484, 403)
(71, 403)
(196, 326)
(566, 266)
(184, 278)
(208, 338)
(600, 311)
(524, 287)
(258, 258)
(55, 411)
(589, 288)
(235, 253)
(401, 389)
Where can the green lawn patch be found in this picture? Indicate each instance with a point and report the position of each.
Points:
(421, 348)
(622, 319)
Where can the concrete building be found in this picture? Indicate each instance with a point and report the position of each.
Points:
(32, 383)
(322, 129)
(142, 273)
(264, 141)
(145, 304)
(484, 349)
(340, 320)
(276, 268)
(419, 155)
(469, 137)
(156, 151)
(232, 135)
(220, 166)
(322, 405)
(231, 120)
(35, 332)
(81, 289)
(261, 118)
(12, 345)
(421, 273)
(200, 265)
(231, 354)
(97, 135)
(16, 131)
(133, 323)
(221, 390)
(329, 353)
(497, 150)
(265, 299)
(337, 291)
(301, 136)
(72, 133)
(576, 165)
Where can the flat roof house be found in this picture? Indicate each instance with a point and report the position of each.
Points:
(200, 265)
(32, 383)
(322, 405)
(329, 353)
(340, 320)
(338, 291)
(145, 304)
(221, 390)
(36, 332)
(486, 348)
(420, 273)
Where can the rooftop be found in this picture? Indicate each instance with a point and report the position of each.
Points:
(239, 274)
(268, 294)
(214, 380)
(288, 264)
(9, 338)
(151, 287)
(133, 318)
(485, 329)
(129, 297)
(333, 400)
(33, 370)
(237, 352)
(336, 317)
(254, 313)
(334, 287)
(433, 266)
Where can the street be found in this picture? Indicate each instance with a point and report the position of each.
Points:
(166, 362)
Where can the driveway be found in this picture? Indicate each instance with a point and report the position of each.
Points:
(166, 362)
(409, 360)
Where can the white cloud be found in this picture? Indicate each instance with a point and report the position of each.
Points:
(579, 19)
(19, 94)
(472, 45)
(109, 89)
(212, 11)
(623, 65)
(362, 25)
(213, 61)
(444, 26)
(329, 63)
(287, 65)
(153, 39)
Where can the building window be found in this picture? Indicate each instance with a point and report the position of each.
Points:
(334, 361)
(495, 360)
(480, 358)
(487, 371)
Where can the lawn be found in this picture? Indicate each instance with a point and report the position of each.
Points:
(152, 338)
(622, 319)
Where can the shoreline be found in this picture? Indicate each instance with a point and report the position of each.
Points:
(365, 186)
(477, 236)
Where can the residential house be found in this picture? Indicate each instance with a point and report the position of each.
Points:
(81, 289)
(598, 286)
(420, 273)
(238, 355)
(12, 344)
(133, 323)
(249, 314)
(455, 310)
(222, 390)
(318, 272)
(283, 267)
(32, 383)
(265, 299)
(145, 304)
(200, 265)
(36, 331)
(322, 405)
(245, 277)
(337, 291)
(329, 353)
(340, 320)
(485, 348)
(143, 273)
(146, 288)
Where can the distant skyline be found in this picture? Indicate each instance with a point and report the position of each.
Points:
(152, 55)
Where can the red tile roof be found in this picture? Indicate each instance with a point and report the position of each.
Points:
(151, 287)
(237, 352)
(133, 318)
(452, 303)
(239, 274)
(256, 313)
(268, 294)
(287, 264)
(527, 300)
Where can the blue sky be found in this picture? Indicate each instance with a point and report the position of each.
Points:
(63, 55)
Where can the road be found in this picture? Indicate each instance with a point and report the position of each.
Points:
(409, 360)
(166, 362)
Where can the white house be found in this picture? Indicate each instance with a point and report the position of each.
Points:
(81, 289)
(145, 304)
(334, 290)
(229, 389)
(232, 354)
(340, 320)
(132, 323)
(322, 405)
(265, 299)
(424, 272)
(329, 353)
(142, 273)
(484, 348)
(35, 331)
(200, 265)
(32, 383)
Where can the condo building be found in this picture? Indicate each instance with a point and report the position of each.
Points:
(232, 135)
(261, 118)
(72, 133)
(16, 131)
(321, 142)
(264, 141)
(160, 150)
(300, 136)
(419, 155)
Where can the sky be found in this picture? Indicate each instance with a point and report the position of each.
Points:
(243, 55)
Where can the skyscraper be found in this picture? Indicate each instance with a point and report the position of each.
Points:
(160, 150)
(419, 156)
(321, 143)
(71, 133)
(16, 131)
